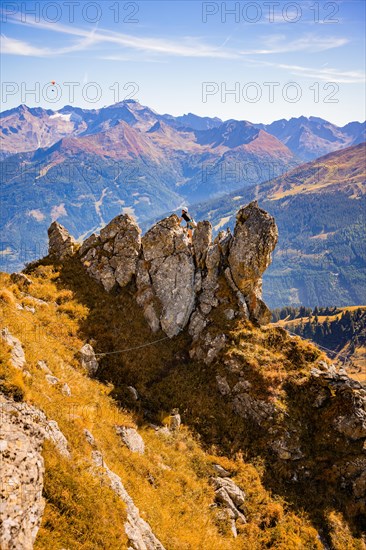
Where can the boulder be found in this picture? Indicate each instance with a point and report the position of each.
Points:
(230, 497)
(134, 393)
(220, 470)
(236, 494)
(175, 420)
(52, 380)
(131, 438)
(60, 243)
(223, 385)
(89, 437)
(65, 390)
(88, 359)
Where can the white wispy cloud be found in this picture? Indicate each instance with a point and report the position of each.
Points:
(190, 47)
(13, 46)
(185, 47)
(309, 43)
(325, 74)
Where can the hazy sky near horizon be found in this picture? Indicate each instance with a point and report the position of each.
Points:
(258, 61)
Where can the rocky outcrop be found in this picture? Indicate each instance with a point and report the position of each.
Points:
(321, 435)
(22, 470)
(111, 257)
(230, 499)
(179, 283)
(328, 380)
(169, 268)
(138, 531)
(23, 429)
(60, 243)
(255, 237)
(17, 356)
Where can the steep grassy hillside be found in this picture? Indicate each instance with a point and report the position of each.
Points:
(171, 482)
(341, 332)
(320, 212)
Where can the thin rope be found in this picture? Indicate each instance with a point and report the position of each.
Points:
(132, 349)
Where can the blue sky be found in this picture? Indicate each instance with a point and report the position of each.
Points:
(279, 59)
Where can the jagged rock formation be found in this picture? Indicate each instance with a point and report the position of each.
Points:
(188, 286)
(167, 274)
(22, 432)
(179, 283)
(255, 237)
(60, 243)
(111, 257)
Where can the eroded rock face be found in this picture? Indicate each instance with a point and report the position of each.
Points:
(170, 267)
(23, 429)
(179, 283)
(61, 243)
(255, 238)
(22, 470)
(111, 257)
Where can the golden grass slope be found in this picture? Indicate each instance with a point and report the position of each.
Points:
(170, 483)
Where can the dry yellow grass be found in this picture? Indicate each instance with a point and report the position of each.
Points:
(170, 483)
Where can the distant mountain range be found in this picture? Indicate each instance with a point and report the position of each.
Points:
(25, 129)
(312, 137)
(320, 211)
(83, 167)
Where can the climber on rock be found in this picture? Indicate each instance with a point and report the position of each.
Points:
(190, 222)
